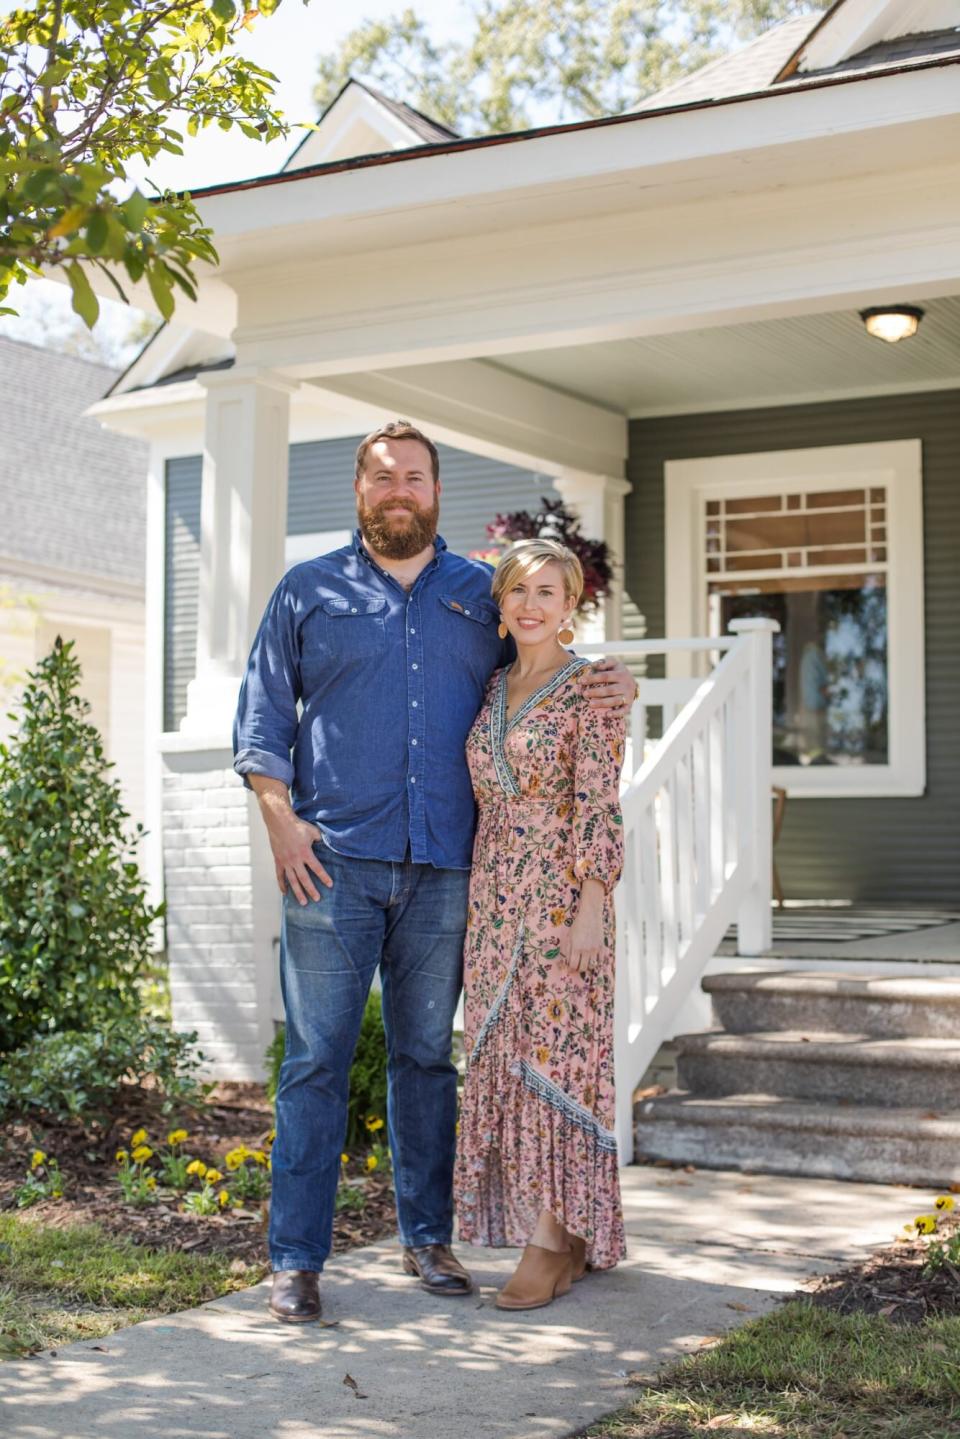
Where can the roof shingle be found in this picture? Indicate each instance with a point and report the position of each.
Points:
(73, 496)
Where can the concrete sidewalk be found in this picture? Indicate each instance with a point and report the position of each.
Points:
(707, 1252)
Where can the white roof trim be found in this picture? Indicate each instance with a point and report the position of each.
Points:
(855, 25)
(355, 124)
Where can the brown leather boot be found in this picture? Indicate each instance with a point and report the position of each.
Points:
(295, 1296)
(438, 1270)
(578, 1257)
(541, 1276)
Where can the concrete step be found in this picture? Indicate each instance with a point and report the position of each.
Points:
(769, 1135)
(887, 1008)
(886, 1073)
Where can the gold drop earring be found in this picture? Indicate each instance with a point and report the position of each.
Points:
(502, 630)
(565, 636)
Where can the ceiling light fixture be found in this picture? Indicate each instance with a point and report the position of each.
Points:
(892, 322)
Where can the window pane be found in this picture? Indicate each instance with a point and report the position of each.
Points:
(830, 703)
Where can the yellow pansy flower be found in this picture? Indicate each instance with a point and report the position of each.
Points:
(139, 1138)
(925, 1223)
(944, 1203)
(177, 1136)
(197, 1166)
(235, 1157)
(151, 1183)
(223, 1199)
(372, 1161)
(121, 1156)
(258, 1156)
(344, 1159)
(213, 1176)
(142, 1153)
(37, 1158)
(374, 1122)
(270, 1137)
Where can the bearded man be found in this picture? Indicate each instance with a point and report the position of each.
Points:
(366, 674)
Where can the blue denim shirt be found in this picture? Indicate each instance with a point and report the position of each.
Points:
(390, 682)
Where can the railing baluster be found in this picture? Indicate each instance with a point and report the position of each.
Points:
(701, 821)
(668, 877)
(717, 805)
(683, 789)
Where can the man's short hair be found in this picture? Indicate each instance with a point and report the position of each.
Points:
(397, 430)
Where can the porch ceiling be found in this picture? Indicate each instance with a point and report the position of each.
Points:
(804, 357)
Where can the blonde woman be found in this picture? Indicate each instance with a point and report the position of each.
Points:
(537, 1159)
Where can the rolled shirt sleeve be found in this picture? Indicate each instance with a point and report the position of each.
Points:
(265, 726)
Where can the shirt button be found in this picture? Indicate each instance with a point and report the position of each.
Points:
(412, 630)
(353, 610)
(414, 704)
(466, 612)
(415, 667)
(413, 779)
(413, 741)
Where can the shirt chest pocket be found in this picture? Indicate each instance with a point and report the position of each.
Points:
(354, 629)
(467, 620)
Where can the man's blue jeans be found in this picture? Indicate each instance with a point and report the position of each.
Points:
(409, 919)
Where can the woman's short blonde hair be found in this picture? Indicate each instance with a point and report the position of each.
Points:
(525, 557)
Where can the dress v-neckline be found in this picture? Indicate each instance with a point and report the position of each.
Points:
(500, 726)
(536, 696)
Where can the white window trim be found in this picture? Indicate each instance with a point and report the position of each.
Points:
(897, 465)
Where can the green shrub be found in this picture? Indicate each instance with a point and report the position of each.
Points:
(368, 1076)
(80, 1075)
(75, 925)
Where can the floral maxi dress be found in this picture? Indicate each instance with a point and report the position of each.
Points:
(537, 1113)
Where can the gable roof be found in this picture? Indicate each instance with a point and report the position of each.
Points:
(380, 122)
(746, 71)
(789, 52)
(74, 495)
(850, 28)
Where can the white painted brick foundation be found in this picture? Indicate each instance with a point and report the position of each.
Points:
(223, 912)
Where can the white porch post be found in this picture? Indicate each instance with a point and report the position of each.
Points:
(599, 502)
(754, 786)
(243, 524)
(222, 902)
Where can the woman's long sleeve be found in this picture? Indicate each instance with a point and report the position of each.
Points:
(597, 818)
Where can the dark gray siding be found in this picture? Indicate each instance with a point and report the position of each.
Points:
(874, 850)
(474, 490)
(320, 497)
(181, 572)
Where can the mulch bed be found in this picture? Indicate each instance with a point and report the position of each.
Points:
(234, 1114)
(892, 1283)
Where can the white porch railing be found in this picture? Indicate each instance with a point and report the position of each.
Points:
(697, 837)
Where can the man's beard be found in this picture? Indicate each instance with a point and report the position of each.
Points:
(398, 542)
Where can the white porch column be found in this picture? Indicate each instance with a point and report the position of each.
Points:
(243, 525)
(598, 500)
(223, 907)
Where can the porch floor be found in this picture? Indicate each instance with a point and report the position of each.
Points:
(707, 1251)
(848, 933)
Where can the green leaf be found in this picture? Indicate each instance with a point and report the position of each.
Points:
(85, 302)
(134, 210)
(224, 10)
(96, 231)
(160, 288)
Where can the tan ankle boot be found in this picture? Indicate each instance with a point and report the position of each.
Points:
(578, 1257)
(541, 1276)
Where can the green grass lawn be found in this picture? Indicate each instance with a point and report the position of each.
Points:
(59, 1285)
(807, 1373)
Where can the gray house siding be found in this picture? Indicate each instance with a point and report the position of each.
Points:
(181, 570)
(872, 850)
(320, 498)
